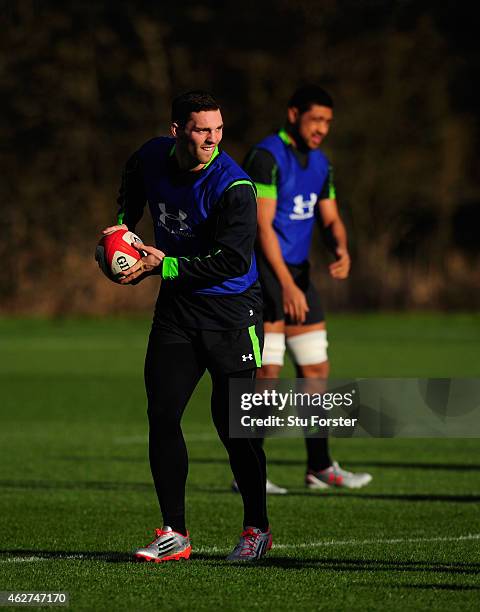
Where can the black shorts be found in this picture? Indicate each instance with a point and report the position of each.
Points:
(224, 352)
(273, 298)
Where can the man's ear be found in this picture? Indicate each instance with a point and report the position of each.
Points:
(292, 114)
(174, 129)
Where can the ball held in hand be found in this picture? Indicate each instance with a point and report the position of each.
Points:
(115, 253)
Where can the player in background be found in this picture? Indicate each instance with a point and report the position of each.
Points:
(208, 312)
(294, 185)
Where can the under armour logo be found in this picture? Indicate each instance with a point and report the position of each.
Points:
(303, 209)
(249, 356)
(179, 218)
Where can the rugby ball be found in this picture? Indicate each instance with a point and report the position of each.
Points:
(115, 253)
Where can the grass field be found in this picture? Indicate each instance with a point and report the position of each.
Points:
(76, 492)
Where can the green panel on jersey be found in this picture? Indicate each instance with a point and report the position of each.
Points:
(332, 193)
(255, 345)
(242, 182)
(198, 258)
(285, 137)
(170, 268)
(274, 175)
(266, 191)
(215, 153)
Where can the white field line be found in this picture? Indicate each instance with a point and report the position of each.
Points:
(470, 536)
(324, 543)
(216, 549)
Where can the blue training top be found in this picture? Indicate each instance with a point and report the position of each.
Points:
(180, 208)
(297, 193)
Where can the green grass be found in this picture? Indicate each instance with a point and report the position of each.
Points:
(76, 492)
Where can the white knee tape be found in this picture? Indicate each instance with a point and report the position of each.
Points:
(273, 349)
(309, 348)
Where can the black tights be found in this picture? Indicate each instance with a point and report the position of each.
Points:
(318, 456)
(172, 371)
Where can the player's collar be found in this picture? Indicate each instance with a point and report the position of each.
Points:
(290, 142)
(215, 154)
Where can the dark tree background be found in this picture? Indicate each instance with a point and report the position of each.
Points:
(83, 84)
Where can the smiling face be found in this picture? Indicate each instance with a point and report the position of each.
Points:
(197, 139)
(311, 126)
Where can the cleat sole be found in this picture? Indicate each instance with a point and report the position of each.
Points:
(320, 486)
(184, 554)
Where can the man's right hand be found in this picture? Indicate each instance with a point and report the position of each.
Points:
(294, 303)
(144, 266)
(114, 228)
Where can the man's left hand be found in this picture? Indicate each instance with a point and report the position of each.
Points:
(144, 266)
(340, 268)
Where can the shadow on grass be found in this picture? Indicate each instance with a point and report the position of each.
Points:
(407, 497)
(404, 465)
(104, 458)
(85, 485)
(398, 465)
(353, 565)
(272, 560)
(76, 485)
(442, 587)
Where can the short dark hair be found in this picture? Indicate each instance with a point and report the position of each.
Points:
(307, 95)
(192, 102)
